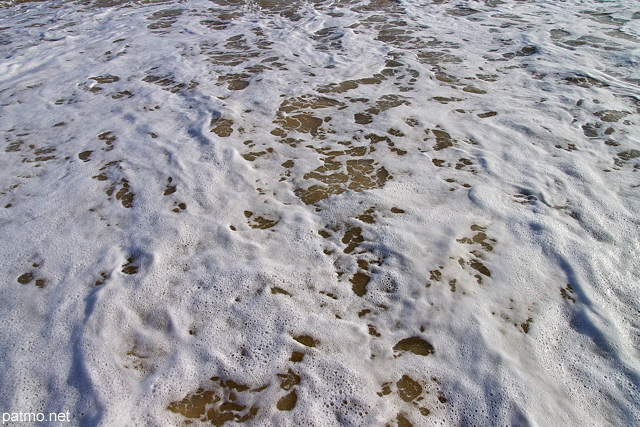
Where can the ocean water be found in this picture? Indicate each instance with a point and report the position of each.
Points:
(320, 212)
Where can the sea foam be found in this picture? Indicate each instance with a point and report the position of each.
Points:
(320, 213)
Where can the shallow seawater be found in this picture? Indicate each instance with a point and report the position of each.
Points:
(320, 212)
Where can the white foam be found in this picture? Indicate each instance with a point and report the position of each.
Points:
(159, 250)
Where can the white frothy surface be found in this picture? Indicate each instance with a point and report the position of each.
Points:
(321, 212)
